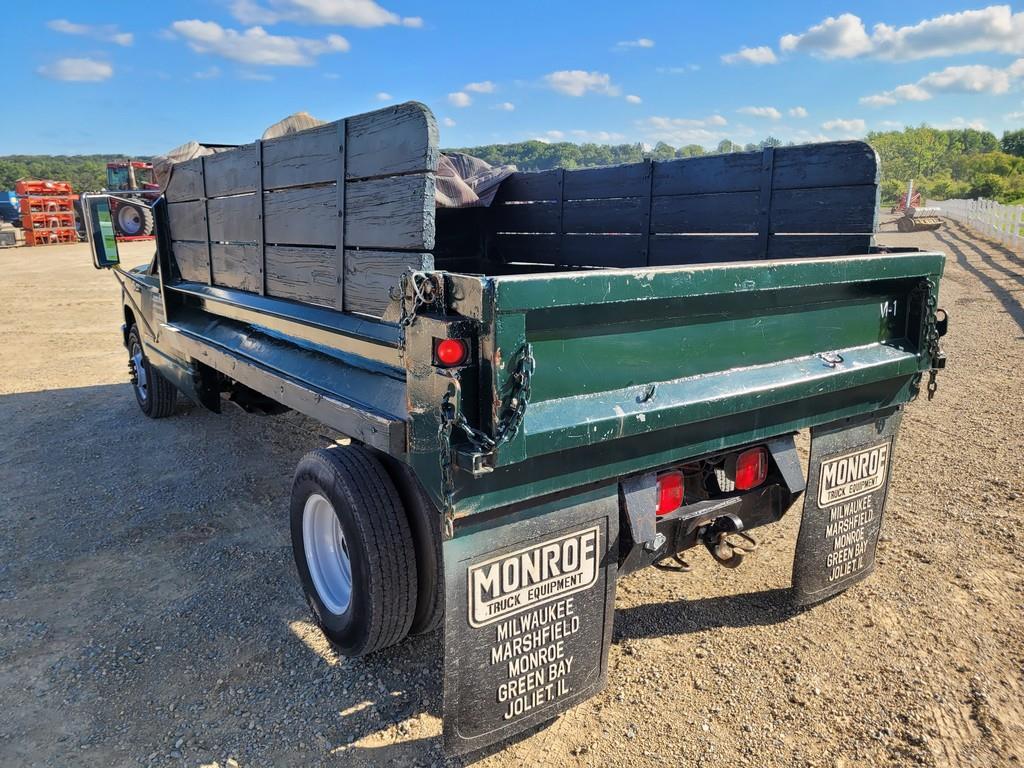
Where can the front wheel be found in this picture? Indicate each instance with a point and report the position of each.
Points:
(155, 395)
(353, 549)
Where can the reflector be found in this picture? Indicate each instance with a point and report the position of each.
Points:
(451, 352)
(670, 492)
(751, 468)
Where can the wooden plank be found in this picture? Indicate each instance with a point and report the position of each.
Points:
(572, 250)
(540, 185)
(187, 220)
(233, 172)
(695, 249)
(525, 217)
(622, 215)
(307, 157)
(825, 209)
(628, 180)
(234, 219)
(370, 277)
(302, 274)
(834, 164)
(393, 213)
(192, 260)
(302, 216)
(186, 182)
(236, 265)
(727, 212)
(261, 245)
(394, 140)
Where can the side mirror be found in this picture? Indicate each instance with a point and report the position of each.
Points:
(100, 229)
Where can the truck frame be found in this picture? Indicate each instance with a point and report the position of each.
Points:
(600, 371)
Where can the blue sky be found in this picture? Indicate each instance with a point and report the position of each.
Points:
(140, 78)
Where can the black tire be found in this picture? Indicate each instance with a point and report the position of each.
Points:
(158, 396)
(378, 541)
(133, 220)
(425, 525)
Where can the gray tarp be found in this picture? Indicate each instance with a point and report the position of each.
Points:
(463, 181)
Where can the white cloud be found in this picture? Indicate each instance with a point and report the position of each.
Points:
(207, 74)
(757, 56)
(960, 122)
(106, 32)
(683, 130)
(459, 99)
(447, 122)
(974, 78)
(548, 136)
(597, 137)
(684, 70)
(633, 99)
(798, 112)
(994, 29)
(383, 96)
(77, 70)
(505, 106)
(258, 76)
(255, 45)
(854, 127)
(770, 112)
(970, 79)
(640, 42)
(482, 87)
(351, 13)
(576, 82)
(841, 37)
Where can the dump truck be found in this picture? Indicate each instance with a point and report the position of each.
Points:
(602, 370)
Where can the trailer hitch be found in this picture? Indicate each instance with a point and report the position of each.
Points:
(726, 540)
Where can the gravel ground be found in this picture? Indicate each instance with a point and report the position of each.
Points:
(150, 614)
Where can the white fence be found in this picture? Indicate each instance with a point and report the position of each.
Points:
(1004, 223)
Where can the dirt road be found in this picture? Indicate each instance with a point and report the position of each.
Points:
(149, 613)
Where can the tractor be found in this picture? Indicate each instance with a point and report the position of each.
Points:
(915, 218)
(132, 178)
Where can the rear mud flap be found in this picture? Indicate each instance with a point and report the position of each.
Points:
(847, 483)
(528, 617)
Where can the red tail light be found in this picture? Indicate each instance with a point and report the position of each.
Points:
(450, 352)
(670, 492)
(751, 468)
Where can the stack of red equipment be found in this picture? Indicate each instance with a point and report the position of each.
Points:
(47, 211)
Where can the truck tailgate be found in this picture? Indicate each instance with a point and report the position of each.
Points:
(636, 368)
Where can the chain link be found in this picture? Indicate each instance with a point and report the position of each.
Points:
(931, 335)
(418, 290)
(485, 445)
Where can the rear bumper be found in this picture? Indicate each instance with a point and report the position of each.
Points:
(644, 540)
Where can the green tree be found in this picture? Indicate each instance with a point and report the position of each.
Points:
(1013, 143)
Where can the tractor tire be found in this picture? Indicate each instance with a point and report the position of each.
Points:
(905, 224)
(353, 549)
(133, 220)
(155, 395)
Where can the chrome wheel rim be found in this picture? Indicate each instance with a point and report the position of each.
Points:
(138, 366)
(327, 557)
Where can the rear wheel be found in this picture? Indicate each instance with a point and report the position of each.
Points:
(353, 549)
(134, 220)
(155, 395)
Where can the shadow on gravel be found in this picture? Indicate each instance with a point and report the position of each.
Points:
(681, 617)
(1012, 306)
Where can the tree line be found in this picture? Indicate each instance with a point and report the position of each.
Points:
(944, 164)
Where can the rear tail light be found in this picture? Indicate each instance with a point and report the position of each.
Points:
(449, 353)
(670, 492)
(751, 468)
